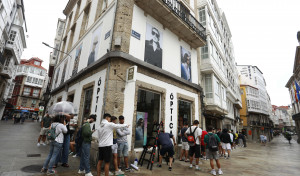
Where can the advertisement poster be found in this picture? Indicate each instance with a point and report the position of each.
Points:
(77, 59)
(94, 46)
(185, 64)
(141, 129)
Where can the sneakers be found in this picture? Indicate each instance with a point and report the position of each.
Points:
(52, 172)
(38, 144)
(110, 173)
(43, 170)
(88, 174)
(198, 168)
(119, 172)
(158, 165)
(43, 144)
(81, 172)
(74, 156)
(220, 172)
(213, 172)
(170, 168)
(127, 169)
(191, 166)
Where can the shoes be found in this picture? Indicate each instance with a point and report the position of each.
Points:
(170, 168)
(213, 172)
(52, 172)
(43, 170)
(158, 165)
(38, 144)
(81, 172)
(181, 160)
(127, 169)
(65, 165)
(110, 173)
(119, 172)
(88, 174)
(74, 156)
(191, 166)
(43, 144)
(55, 166)
(187, 160)
(198, 168)
(71, 153)
(220, 172)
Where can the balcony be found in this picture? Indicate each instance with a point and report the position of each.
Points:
(6, 72)
(15, 51)
(177, 18)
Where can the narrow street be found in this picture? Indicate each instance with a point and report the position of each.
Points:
(18, 141)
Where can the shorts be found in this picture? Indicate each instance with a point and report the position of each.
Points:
(194, 150)
(168, 150)
(43, 131)
(114, 148)
(185, 146)
(105, 154)
(123, 149)
(226, 146)
(212, 155)
(203, 148)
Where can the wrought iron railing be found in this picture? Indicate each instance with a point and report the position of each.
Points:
(184, 14)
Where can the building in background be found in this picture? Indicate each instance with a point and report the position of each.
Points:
(30, 82)
(294, 89)
(12, 44)
(282, 118)
(131, 58)
(219, 75)
(256, 110)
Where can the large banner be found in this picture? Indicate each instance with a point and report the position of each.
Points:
(185, 64)
(64, 72)
(94, 46)
(77, 59)
(141, 129)
(153, 46)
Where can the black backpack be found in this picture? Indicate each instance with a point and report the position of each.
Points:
(212, 143)
(79, 137)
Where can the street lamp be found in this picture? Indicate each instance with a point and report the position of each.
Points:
(55, 49)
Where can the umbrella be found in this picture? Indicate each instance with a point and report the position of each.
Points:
(24, 111)
(63, 107)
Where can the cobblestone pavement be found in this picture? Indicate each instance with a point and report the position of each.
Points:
(18, 141)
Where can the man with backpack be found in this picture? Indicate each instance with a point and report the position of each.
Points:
(86, 134)
(185, 145)
(193, 134)
(212, 142)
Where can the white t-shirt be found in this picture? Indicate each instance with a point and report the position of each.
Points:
(197, 133)
(231, 137)
(59, 130)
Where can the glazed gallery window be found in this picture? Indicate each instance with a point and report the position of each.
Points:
(27, 91)
(202, 16)
(12, 37)
(88, 93)
(36, 92)
(148, 112)
(184, 116)
(208, 86)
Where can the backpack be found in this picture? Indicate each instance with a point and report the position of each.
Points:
(191, 137)
(51, 133)
(212, 143)
(79, 137)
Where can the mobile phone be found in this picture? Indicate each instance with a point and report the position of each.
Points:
(94, 127)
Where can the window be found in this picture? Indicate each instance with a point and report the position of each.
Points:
(24, 102)
(20, 68)
(26, 91)
(204, 52)
(69, 21)
(40, 82)
(37, 63)
(31, 70)
(33, 103)
(77, 9)
(63, 48)
(29, 79)
(25, 69)
(184, 111)
(202, 16)
(102, 4)
(85, 20)
(55, 50)
(70, 98)
(36, 92)
(148, 105)
(36, 80)
(71, 37)
(12, 37)
(208, 86)
(88, 93)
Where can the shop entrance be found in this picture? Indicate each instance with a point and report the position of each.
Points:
(184, 116)
(87, 103)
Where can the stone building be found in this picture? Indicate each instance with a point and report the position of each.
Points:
(294, 90)
(219, 75)
(12, 44)
(30, 81)
(256, 109)
(133, 58)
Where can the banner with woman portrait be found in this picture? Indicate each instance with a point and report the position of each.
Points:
(186, 72)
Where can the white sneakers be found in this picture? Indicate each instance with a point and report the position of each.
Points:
(191, 166)
(220, 172)
(213, 172)
(81, 172)
(88, 174)
(119, 172)
(38, 144)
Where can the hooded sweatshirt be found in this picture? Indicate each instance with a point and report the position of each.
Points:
(122, 134)
(105, 132)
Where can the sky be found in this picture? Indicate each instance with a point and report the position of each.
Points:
(263, 33)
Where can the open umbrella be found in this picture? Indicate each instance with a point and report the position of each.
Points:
(61, 108)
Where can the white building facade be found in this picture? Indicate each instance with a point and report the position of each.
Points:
(219, 75)
(124, 59)
(12, 44)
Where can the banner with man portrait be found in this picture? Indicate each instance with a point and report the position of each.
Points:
(186, 72)
(153, 46)
(77, 59)
(94, 46)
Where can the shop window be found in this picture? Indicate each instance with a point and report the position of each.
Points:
(184, 116)
(148, 112)
(88, 93)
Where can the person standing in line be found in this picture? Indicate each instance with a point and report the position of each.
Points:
(225, 138)
(105, 139)
(203, 151)
(231, 138)
(195, 149)
(123, 144)
(45, 124)
(219, 132)
(114, 148)
(212, 155)
(56, 145)
(185, 145)
(84, 166)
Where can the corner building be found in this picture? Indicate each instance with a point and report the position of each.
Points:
(132, 58)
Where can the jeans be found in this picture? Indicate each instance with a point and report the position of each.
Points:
(55, 148)
(85, 157)
(64, 154)
(78, 150)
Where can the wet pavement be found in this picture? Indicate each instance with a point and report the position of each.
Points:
(18, 143)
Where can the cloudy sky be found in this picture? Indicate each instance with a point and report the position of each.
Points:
(264, 35)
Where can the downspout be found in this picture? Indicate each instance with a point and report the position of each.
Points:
(109, 62)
